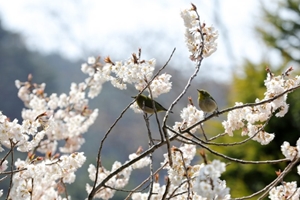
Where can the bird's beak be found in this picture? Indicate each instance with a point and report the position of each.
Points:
(198, 90)
(133, 97)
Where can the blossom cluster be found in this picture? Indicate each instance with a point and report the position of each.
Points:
(118, 181)
(45, 179)
(250, 118)
(119, 74)
(189, 115)
(204, 179)
(288, 190)
(200, 38)
(285, 191)
(289, 151)
(48, 120)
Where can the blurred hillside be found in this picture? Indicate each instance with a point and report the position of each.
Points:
(16, 62)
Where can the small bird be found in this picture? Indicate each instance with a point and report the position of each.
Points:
(206, 102)
(146, 104)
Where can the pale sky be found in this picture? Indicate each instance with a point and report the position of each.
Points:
(75, 28)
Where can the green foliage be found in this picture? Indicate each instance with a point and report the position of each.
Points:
(281, 28)
(279, 33)
(285, 129)
(250, 87)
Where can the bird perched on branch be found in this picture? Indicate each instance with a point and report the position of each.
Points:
(146, 104)
(206, 102)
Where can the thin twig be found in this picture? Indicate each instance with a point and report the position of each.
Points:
(14, 171)
(12, 146)
(155, 113)
(173, 194)
(203, 132)
(186, 174)
(65, 187)
(127, 164)
(233, 143)
(167, 188)
(227, 157)
(3, 178)
(148, 129)
(102, 142)
(267, 188)
(280, 177)
(3, 159)
(185, 88)
(140, 185)
(151, 175)
(32, 189)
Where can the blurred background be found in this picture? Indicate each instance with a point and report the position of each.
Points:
(51, 39)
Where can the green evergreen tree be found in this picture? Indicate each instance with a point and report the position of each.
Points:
(281, 30)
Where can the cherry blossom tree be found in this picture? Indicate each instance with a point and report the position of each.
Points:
(48, 119)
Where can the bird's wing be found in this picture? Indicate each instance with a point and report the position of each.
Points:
(146, 103)
(157, 105)
(214, 101)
